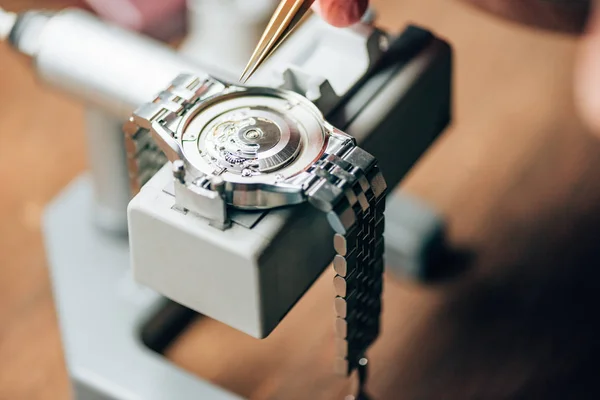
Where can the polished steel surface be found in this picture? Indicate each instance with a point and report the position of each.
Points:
(287, 15)
(351, 190)
(182, 117)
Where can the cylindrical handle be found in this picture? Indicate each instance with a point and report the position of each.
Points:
(105, 65)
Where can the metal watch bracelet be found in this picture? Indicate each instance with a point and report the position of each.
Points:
(347, 185)
(351, 182)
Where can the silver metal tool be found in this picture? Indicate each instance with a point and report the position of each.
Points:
(288, 14)
(263, 148)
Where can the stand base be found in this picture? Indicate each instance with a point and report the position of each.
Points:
(103, 313)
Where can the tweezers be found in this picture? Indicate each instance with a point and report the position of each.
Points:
(286, 17)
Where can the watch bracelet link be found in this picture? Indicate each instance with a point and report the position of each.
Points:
(144, 157)
(354, 184)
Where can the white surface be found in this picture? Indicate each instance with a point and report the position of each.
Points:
(7, 21)
(246, 278)
(224, 32)
(101, 311)
(181, 256)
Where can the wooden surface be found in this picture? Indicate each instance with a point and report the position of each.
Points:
(516, 176)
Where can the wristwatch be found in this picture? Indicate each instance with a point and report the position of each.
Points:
(261, 148)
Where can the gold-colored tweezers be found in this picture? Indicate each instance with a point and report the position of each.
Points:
(286, 17)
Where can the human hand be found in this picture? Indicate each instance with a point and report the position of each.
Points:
(573, 16)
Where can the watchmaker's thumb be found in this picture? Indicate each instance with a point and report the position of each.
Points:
(341, 12)
(587, 89)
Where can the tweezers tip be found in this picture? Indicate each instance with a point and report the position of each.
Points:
(248, 73)
(245, 75)
(274, 34)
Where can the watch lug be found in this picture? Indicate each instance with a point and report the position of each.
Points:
(163, 137)
(203, 197)
(338, 141)
(339, 134)
(203, 202)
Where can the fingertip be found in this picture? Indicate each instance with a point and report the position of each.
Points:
(342, 13)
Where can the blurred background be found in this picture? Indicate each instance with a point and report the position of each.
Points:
(516, 176)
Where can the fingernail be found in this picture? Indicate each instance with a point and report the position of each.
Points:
(342, 13)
